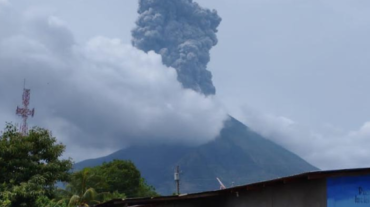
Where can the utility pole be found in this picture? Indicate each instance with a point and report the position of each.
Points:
(177, 180)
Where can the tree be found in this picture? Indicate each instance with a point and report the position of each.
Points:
(121, 176)
(30, 166)
(118, 177)
(80, 190)
(83, 180)
(145, 190)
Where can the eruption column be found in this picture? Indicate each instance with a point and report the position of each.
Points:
(183, 33)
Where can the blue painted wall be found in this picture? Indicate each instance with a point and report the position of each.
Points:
(348, 191)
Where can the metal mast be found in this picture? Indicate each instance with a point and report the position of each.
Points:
(25, 112)
(177, 180)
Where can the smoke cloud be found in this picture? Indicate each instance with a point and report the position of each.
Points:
(98, 96)
(183, 33)
(328, 147)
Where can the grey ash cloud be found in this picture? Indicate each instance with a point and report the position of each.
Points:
(307, 70)
(100, 95)
(183, 33)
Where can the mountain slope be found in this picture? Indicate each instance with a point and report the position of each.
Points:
(238, 155)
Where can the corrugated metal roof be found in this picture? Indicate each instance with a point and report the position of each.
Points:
(253, 186)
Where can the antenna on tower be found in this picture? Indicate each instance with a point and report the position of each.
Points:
(25, 112)
(222, 186)
(177, 179)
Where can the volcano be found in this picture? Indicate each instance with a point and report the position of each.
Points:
(237, 156)
(183, 33)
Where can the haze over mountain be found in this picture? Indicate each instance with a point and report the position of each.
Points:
(237, 156)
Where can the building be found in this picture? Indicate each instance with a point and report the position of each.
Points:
(336, 188)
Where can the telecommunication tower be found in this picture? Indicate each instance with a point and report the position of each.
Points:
(25, 112)
(177, 179)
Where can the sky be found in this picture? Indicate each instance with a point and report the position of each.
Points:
(295, 71)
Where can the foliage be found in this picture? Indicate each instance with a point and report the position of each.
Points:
(47, 202)
(145, 190)
(123, 176)
(80, 191)
(91, 197)
(119, 176)
(86, 198)
(85, 179)
(30, 166)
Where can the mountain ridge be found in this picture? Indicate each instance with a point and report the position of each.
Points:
(238, 156)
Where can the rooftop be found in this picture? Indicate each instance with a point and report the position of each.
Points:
(248, 187)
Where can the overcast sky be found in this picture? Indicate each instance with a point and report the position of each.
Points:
(296, 71)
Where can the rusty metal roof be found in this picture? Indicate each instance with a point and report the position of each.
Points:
(142, 202)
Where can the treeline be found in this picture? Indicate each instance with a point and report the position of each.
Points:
(31, 166)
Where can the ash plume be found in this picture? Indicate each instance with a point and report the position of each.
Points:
(183, 33)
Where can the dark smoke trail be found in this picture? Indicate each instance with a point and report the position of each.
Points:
(183, 33)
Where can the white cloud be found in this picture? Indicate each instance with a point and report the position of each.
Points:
(102, 95)
(4, 2)
(363, 132)
(326, 148)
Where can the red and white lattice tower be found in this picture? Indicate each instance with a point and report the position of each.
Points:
(25, 112)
